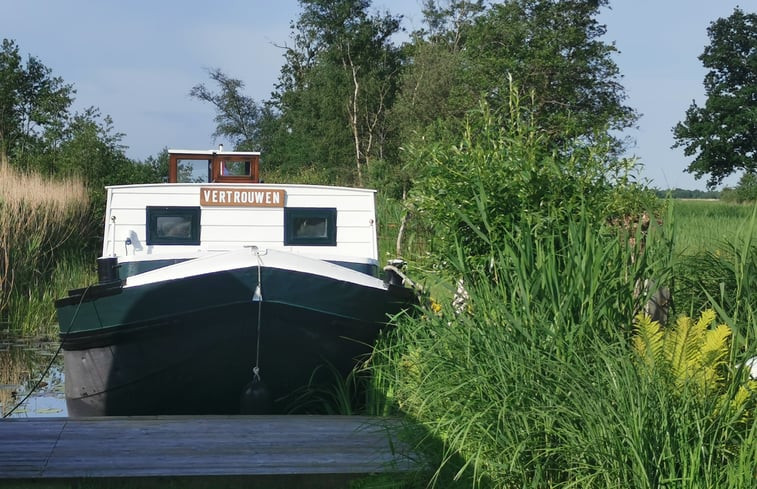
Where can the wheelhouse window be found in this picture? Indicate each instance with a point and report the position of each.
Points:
(308, 226)
(173, 225)
(213, 166)
(231, 168)
(193, 171)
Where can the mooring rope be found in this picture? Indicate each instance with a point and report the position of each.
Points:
(52, 360)
(258, 297)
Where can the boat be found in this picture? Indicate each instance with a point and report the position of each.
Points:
(219, 294)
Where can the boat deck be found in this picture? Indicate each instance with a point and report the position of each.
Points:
(293, 451)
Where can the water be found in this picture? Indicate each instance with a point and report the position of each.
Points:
(22, 363)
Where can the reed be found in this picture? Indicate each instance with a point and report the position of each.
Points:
(32, 311)
(15, 371)
(400, 233)
(39, 219)
(534, 384)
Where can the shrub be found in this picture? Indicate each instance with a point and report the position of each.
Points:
(503, 169)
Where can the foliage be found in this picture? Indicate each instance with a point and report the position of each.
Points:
(692, 359)
(690, 354)
(32, 101)
(91, 149)
(722, 274)
(238, 117)
(500, 171)
(40, 135)
(348, 100)
(447, 22)
(729, 195)
(746, 190)
(682, 193)
(432, 83)
(337, 82)
(39, 221)
(555, 53)
(470, 50)
(707, 226)
(31, 311)
(535, 384)
(722, 133)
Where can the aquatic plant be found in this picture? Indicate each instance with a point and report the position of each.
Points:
(39, 219)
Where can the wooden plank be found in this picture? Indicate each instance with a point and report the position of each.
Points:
(191, 446)
(26, 457)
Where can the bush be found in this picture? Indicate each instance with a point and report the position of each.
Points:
(746, 190)
(502, 170)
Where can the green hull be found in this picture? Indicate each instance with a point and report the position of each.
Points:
(189, 346)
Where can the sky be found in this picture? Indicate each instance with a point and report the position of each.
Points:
(137, 61)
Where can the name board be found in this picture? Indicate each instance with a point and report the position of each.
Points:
(241, 197)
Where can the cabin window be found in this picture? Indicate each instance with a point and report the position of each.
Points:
(173, 225)
(308, 226)
(193, 171)
(231, 168)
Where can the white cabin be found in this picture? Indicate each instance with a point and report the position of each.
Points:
(153, 225)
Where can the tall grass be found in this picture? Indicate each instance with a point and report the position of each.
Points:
(703, 225)
(400, 233)
(39, 219)
(31, 311)
(716, 263)
(534, 384)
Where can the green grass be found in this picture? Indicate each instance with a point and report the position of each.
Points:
(715, 247)
(535, 383)
(31, 312)
(704, 225)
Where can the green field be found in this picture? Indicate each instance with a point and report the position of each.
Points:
(708, 225)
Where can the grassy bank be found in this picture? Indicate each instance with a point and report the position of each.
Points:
(536, 382)
(43, 228)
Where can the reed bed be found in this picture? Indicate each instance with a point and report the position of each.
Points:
(40, 219)
(14, 373)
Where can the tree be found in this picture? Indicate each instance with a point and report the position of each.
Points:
(746, 190)
(31, 101)
(237, 116)
(338, 81)
(432, 84)
(448, 21)
(723, 133)
(554, 52)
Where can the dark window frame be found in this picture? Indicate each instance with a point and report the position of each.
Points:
(291, 214)
(151, 225)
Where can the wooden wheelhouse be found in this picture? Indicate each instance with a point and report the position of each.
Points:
(213, 166)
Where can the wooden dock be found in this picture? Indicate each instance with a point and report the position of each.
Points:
(281, 451)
